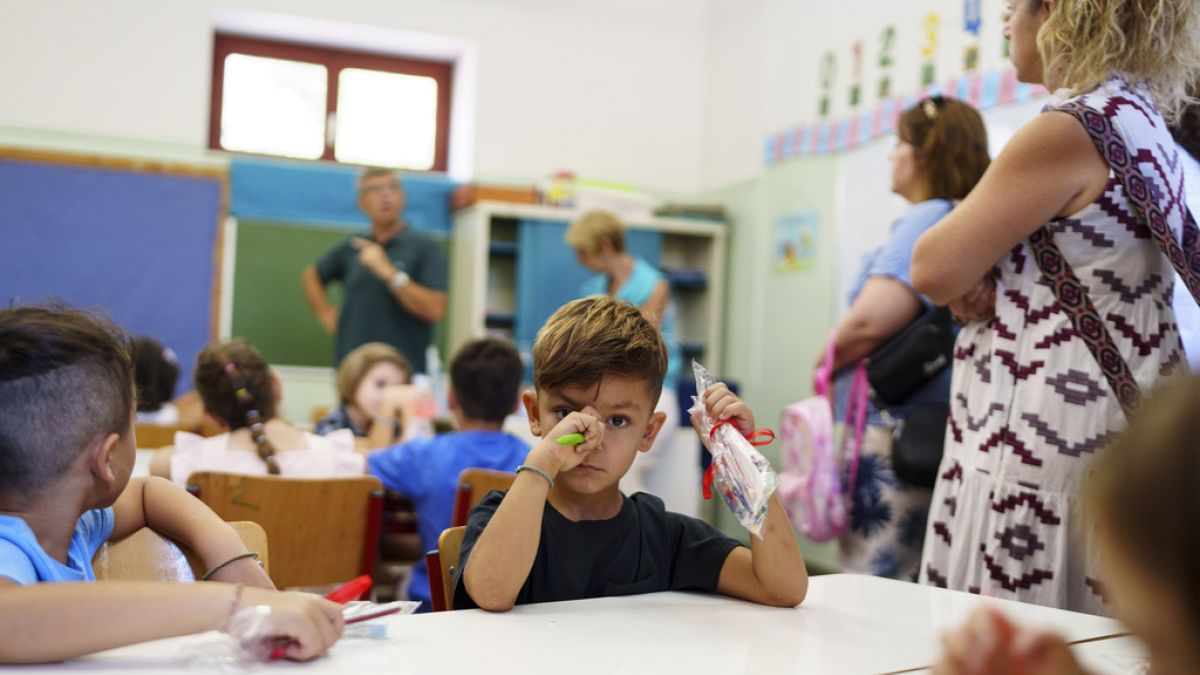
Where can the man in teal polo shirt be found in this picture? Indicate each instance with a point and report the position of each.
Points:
(393, 278)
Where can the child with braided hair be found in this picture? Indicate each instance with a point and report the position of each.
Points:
(240, 394)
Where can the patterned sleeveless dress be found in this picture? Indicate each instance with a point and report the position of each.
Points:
(1030, 406)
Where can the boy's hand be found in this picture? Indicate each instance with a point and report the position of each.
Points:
(305, 624)
(722, 404)
(553, 458)
(989, 644)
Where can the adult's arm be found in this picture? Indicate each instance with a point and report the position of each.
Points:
(1050, 168)
(325, 312)
(427, 304)
(883, 307)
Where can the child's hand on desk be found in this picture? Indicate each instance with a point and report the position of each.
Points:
(722, 404)
(989, 644)
(554, 458)
(304, 625)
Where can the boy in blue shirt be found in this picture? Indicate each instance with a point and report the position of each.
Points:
(67, 449)
(564, 531)
(485, 378)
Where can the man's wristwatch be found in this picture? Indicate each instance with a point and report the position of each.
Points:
(399, 280)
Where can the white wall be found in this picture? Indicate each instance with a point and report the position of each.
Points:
(764, 58)
(610, 88)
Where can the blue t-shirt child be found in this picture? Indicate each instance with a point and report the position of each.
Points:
(426, 471)
(23, 560)
(637, 290)
(894, 259)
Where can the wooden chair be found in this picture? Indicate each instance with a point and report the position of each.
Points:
(146, 555)
(442, 563)
(473, 486)
(154, 436)
(322, 531)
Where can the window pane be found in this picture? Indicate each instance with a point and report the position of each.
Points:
(386, 119)
(273, 106)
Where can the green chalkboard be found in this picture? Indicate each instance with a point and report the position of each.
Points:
(269, 308)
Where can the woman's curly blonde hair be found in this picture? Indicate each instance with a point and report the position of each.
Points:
(1154, 44)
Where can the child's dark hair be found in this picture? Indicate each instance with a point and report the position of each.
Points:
(486, 376)
(234, 382)
(155, 371)
(1141, 494)
(66, 377)
(595, 336)
(951, 142)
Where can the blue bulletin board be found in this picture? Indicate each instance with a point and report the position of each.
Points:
(139, 246)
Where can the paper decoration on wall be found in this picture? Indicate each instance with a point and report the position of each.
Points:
(972, 21)
(856, 74)
(827, 71)
(928, 69)
(795, 241)
(982, 90)
(886, 40)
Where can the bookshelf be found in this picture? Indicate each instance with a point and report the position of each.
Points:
(510, 269)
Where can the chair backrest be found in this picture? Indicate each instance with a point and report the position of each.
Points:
(442, 563)
(146, 555)
(322, 531)
(154, 436)
(473, 485)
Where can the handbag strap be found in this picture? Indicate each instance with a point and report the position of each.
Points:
(1073, 298)
(1111, 145)
(1072, 294)
(856, 417)
(823, 375)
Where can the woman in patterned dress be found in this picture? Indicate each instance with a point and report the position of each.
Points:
(1029, 403)
(941, 152)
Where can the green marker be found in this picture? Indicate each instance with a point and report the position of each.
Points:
(570, 439)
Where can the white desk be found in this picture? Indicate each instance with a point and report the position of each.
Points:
(848, 624)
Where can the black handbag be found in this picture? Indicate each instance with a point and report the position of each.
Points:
(912, 358)
(918, 443)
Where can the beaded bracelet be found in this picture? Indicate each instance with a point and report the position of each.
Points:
(240, 556)
(543, 474)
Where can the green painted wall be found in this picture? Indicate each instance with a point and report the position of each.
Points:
(776, 322)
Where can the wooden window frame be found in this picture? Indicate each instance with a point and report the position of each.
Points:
(334, 61)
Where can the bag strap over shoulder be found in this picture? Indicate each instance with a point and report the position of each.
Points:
(1072, 294)
(1073, 298)
(1124, 163)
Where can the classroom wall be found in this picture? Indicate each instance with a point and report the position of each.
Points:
(556, 80)
(766, 62)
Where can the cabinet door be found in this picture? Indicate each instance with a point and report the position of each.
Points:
(549, 276)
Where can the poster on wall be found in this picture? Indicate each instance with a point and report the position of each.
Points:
(795, 241)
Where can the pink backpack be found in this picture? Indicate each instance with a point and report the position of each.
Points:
(810, 484)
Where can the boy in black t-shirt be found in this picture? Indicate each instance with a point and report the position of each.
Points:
(564, 531)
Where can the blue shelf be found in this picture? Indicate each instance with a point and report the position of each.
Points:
(687, 279)
(502, 248)
(499, 320)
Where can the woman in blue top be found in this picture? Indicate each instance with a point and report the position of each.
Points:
(598, 238)
(940, 154)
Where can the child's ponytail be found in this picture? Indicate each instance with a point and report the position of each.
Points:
(235, 384)
(254, 419)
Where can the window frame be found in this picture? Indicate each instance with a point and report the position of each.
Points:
(334, 61)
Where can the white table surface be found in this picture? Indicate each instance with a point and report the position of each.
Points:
(848, 624)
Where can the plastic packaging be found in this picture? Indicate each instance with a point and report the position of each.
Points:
(741, 475)
(251, 636)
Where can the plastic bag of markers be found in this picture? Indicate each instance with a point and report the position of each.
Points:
(251, 636)
(741, 475)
